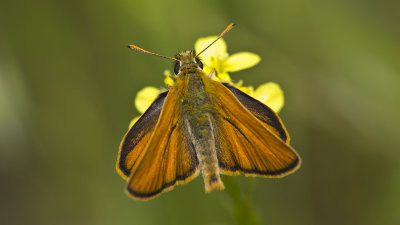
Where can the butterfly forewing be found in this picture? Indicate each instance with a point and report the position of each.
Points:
(262, 112)
(138, 136)
(245, 144)
(168, 158)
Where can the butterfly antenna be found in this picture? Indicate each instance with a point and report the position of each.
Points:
(228, 28)
(134, 47)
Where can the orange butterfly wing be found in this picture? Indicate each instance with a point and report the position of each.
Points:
(262, 112)
(168, 159)
(138, 136)
(245, 144)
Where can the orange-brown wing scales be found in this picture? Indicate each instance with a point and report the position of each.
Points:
(243, 151)
(187, 162)
(245, 144)
(262, 112)
(137, 138)
(132, 157)
(156, 169)
(168, 159)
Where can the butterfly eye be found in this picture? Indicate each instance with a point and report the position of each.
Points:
(200, 63)
(176, 68)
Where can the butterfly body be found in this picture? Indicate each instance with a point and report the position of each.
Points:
(198, 122)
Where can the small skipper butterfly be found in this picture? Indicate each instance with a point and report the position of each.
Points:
(202, 125)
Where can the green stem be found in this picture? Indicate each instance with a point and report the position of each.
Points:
(242, 210)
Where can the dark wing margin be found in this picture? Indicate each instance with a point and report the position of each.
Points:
(262, 112)
(135, 140)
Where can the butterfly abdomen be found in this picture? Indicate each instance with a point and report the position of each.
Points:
(202, 137)
(198, 124)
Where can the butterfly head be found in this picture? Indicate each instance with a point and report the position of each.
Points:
(187, 60)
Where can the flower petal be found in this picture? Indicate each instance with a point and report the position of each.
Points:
(168, 80)
(223, 77)
(248, 90)
(241, 60)
(270, 94)
(145, 97)
(218, 49)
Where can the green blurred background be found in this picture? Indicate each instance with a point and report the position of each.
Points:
(67, 85)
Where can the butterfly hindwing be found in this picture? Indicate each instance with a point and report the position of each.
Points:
(136, 139)
(262, 112)
(245, 144)
(168, 159)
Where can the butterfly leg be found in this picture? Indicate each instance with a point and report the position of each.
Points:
(211, 73)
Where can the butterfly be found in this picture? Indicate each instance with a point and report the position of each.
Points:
(200, 125)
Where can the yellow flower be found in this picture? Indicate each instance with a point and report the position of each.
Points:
(168, 80)
(268, 93)
(217, 57)
(145, 97)
(143, 100)
(271, 95)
